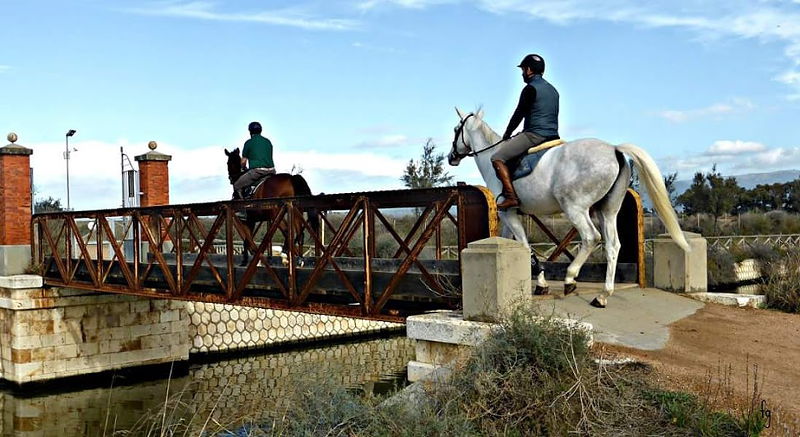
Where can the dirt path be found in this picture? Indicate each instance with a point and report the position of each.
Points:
(720, 335)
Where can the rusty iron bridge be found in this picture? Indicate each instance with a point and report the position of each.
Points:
(377, 255)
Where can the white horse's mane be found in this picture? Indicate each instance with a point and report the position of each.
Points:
(487, 131)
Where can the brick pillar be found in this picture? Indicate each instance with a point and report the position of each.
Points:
(15, 208)
(154, 177)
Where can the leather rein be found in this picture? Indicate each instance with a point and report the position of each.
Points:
(459, 133)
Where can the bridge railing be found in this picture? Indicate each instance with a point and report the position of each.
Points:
(360, 258)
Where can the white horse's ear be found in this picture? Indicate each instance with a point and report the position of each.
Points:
(460, 114)
(479, 114)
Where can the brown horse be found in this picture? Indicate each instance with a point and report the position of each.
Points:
(278, 185)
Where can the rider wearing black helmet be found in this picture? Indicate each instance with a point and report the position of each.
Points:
(257, 152)
(538, 106)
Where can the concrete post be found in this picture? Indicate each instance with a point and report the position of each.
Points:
(15, 208)
(676, 270)
(495, 276)
(154, 176)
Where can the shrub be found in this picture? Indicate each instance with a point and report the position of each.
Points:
(533, 377)
(782, 284)
(720, 267)
(763, 253)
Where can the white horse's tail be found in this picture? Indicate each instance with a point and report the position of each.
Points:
(649, 173)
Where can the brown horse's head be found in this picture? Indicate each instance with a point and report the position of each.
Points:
(234, 165)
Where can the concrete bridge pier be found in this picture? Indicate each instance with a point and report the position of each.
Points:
(48, 333)
(495, 277)
(676, 270)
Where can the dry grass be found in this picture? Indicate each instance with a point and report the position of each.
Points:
(782, 285)
(534, 377)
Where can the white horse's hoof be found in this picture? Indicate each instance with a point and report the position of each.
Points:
(570, 288)
(541, 291)
(599, 303)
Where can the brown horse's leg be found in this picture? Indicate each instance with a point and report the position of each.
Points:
(249, 223)
(285, 231)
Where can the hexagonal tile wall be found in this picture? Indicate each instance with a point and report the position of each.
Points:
(222, 327)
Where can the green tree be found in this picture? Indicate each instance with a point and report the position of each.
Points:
(669, 183)
(724, 193)
(713, 194)
(47, 205)
(695, 199)
(793, 196)
(428, 171)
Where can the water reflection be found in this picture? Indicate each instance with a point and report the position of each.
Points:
(220, 391)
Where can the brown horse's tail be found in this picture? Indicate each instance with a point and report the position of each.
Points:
(301, 188)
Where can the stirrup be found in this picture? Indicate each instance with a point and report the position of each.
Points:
(513, 199)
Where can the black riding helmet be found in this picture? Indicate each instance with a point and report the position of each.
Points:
(254, 128)
(534, 62)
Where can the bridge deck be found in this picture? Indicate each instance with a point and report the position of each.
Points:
(136, 251)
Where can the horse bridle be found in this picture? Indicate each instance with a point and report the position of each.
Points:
(459, 131)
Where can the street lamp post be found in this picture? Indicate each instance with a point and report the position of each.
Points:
(70, 133)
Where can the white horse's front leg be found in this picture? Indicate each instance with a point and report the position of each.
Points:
(513, 227)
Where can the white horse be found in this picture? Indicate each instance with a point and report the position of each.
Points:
(571, 178)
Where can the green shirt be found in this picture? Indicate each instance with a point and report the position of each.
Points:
(258, 151)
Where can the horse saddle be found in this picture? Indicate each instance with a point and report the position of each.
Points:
(523, 165)
(249, 192)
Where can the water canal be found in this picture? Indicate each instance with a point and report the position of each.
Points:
(221, 388)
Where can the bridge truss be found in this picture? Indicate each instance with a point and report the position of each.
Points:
(367, 259)
(380, 255)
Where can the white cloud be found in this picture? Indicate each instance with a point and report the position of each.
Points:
(779, 156)
(207, 10)
(717, 110)
(764, 21)
(735, 156)
(196, 175)
(409, 4)
(389, 141)
(789, 77)
(728, 147)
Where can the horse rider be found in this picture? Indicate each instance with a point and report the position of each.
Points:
(538, 106)
(257, 152)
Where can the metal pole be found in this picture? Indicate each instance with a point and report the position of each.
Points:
(122, 174)
(66, 156)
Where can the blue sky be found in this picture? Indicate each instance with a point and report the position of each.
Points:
(349, 90)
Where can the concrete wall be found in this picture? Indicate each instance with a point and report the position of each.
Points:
(49, 333)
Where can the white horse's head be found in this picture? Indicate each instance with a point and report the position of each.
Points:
(462, 140)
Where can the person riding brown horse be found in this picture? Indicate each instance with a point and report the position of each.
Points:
(277, 185)
(257, 155)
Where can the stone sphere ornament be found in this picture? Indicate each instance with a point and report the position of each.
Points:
(152, 145)
(12, 137)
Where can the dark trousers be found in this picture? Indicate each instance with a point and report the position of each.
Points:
(516, 146)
